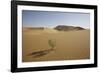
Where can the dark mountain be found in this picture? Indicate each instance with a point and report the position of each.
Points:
(67, 28)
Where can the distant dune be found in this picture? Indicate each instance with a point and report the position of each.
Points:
(39, 31)
(69, 45)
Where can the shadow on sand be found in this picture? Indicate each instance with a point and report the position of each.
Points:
(40, 53)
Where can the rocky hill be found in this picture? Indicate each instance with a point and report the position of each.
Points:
(67, 28)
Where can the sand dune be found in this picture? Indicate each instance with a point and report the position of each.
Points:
(69, 45)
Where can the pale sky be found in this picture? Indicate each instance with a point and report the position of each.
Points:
(31, 18)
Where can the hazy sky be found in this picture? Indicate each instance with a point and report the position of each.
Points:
(31, 18)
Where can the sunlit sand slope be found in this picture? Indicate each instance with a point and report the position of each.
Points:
(69, 45)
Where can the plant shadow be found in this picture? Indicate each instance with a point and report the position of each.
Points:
(40, 53)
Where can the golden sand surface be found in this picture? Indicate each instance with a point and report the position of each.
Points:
(68, 45)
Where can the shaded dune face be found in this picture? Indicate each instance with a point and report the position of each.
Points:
(71, 45)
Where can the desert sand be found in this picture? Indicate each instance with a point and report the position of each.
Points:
(68, 45)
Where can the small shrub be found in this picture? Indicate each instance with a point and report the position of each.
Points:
(51, 43)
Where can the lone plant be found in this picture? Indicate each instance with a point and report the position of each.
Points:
(51, 44)
(44, 52)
